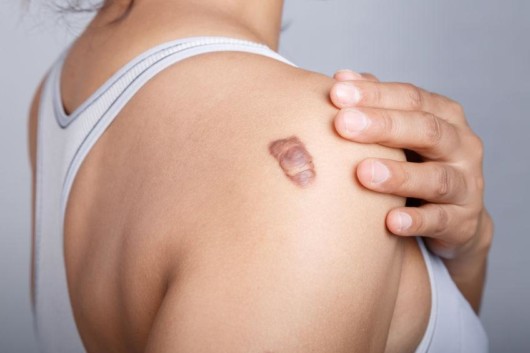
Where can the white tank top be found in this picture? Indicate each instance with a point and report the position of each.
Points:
(63, 141)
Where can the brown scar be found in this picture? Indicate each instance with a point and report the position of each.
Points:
(296, 162)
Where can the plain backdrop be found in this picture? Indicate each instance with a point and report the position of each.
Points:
(476, 52)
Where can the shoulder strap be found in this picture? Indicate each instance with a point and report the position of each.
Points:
(138, 71)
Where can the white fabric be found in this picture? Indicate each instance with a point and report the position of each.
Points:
(63, 141)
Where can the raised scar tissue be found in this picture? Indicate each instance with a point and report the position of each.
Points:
(294, 159)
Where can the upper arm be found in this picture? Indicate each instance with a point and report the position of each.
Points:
(283, 268)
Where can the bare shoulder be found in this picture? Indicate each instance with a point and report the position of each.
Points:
(212, 123)
(254, 245)
(230, 108)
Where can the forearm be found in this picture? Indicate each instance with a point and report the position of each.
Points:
(468, 270)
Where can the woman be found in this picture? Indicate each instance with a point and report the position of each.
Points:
(191, 195)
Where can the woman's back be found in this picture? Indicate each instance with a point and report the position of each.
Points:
(180, 212)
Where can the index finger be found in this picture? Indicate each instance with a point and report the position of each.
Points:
(394, 95)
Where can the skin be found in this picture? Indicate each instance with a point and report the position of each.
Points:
(450, 181)
(148, 272)
(180, 218)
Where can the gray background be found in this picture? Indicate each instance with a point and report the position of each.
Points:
(477, 52)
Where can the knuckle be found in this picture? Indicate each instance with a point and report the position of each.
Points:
(433, 129)
(403, 179)
(387, 124)
(469, 229)
(443, 182)
(419, 223)
(376, 97)
(455, 134)
(442, 219)
(440, 97)
(464, 190)
(456, 108)
(415, 96)
(462, 185)
(474, 226)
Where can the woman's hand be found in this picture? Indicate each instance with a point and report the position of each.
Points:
(449, 181)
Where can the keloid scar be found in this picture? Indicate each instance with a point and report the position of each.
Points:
(294, 159)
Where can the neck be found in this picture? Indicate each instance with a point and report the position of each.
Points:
(256, 20)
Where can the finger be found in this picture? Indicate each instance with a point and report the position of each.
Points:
(441, 224)
(430, 181)
(349, 75)
(422, 132)
(429, 220)
(394, 95)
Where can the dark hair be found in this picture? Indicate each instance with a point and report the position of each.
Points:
(87, 7)
(79, 6)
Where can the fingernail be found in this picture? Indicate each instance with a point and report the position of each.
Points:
(380, 172)
(347, 74)
(354, 121)
(347, 93)
(405, 221)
